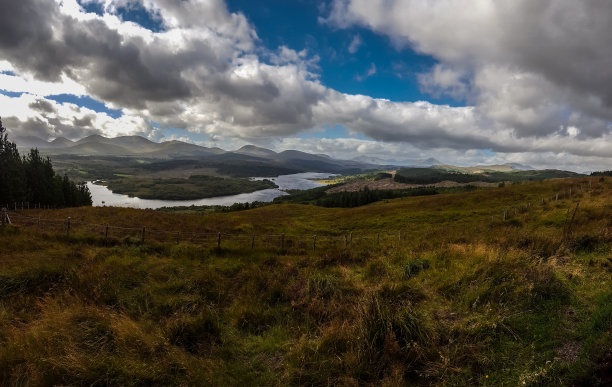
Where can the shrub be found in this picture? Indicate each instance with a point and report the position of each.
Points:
(413, 268)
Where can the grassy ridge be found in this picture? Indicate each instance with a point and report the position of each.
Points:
(435, 175)
(463, 299)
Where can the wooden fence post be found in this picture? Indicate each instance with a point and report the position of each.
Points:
(345, 241)
(142, 237)
(378, 238)
(557, 196)
(399, 236)
(351, 239)
(106, 233)
(68, 227)
(252, 241)
(218, 240)
(314, 243)
(178, 237)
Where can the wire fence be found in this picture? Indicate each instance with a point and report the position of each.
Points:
(141, 235)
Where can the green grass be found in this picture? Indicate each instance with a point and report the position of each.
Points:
(461, 299)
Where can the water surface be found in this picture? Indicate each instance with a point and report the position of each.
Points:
(102, 196)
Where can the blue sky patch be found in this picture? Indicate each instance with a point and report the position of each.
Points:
(353, 60)
(86, 102)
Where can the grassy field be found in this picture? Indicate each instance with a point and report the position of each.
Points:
(463, 297)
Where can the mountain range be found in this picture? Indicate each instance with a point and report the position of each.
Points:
(137, 146)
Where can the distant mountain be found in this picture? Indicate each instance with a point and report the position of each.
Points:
(27, 142)
(96, 145)
(509, 167)
(61, 142)
(249, 160)
(253, 150)
(414, 163)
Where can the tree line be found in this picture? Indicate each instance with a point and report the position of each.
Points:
(31, 179)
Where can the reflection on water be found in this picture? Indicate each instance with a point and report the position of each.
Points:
(102, 196)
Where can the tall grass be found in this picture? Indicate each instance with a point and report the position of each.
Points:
(461, 299)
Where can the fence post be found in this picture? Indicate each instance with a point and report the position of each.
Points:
(557, 196)
(314, 243)
(351, 239)
(399, 236)
(4, 216)
(218, 240)
(378, 238)
(178, 237)
(106, 233)
(345, 241)
(68, 227)
(253, 241)
(142, 238)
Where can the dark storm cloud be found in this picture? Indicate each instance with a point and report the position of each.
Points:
(42, 105)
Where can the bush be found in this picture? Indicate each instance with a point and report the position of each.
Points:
(413, 268)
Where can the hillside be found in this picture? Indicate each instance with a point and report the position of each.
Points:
(435, 290)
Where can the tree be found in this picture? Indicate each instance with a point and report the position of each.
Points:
(12, 178)
(32, 179)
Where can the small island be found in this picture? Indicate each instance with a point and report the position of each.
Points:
(194, 187)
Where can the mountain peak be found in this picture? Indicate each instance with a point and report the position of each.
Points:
(253, 150)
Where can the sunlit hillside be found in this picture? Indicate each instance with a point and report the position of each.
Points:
(498, 286)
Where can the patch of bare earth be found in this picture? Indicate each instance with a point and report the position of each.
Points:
(569, 352)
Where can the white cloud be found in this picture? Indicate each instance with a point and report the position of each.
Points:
(355, 44)
(536, 77)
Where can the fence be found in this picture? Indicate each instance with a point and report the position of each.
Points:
(141, 235)
(284, 242)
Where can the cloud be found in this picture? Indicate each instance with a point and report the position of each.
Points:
(535, 77)
(371, 71)
(442, 80)
(29, 115)
(355, 44)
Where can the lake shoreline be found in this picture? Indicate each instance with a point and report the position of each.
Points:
(102, 196)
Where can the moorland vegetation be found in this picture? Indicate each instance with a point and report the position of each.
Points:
(503, 286)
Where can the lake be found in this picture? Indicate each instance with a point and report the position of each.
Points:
(102, 196)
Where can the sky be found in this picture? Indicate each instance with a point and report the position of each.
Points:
(463, 81)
